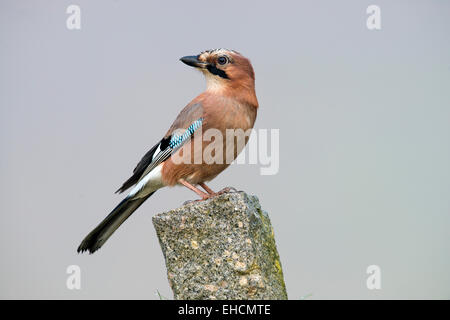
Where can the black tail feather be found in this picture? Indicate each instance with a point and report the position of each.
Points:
(97, 237)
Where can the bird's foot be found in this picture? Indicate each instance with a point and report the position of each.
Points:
(212, 194)
(227, 190)
(208, 196)
(204, 197)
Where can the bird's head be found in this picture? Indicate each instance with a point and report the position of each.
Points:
(224, 70)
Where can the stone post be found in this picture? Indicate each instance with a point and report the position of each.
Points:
(221, 248)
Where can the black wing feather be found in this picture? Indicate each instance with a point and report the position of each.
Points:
(143, 164)
(166, 148)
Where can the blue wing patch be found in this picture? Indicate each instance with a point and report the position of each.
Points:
(178, 140)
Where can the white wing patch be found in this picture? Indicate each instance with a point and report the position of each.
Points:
(158, 150)
(150, 183)
(151, 179)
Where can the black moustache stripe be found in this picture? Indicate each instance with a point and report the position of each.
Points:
(216, 71)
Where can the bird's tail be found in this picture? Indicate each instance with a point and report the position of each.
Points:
(97, 237)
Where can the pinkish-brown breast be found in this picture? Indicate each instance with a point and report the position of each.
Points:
(204, 156)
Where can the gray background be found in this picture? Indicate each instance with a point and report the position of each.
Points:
(364, 127)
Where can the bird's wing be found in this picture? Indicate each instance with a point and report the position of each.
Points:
(190, 119)
(186, 117)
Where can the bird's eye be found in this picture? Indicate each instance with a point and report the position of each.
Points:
(222, 60)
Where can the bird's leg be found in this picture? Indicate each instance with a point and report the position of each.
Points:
(196, 190)
(207, 189)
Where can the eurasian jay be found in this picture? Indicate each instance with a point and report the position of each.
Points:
(229, 102)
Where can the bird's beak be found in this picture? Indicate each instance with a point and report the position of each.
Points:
(193, 62)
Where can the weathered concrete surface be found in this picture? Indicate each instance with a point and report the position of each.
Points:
(221, 248)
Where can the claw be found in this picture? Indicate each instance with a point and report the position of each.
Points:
(228, 190)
